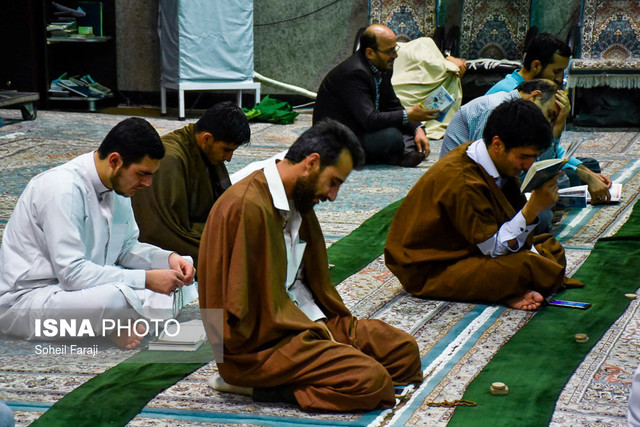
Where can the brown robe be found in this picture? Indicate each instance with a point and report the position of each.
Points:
(432, 243)
(171, 213)
(268, 341)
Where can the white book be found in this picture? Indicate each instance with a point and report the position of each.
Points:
(439, 99)
(573, 197)
(572, 148)
(579, 195)
(615, 191)
(190, 337)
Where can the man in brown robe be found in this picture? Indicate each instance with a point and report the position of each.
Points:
(464, 230)
(172, 212)
(287, 334)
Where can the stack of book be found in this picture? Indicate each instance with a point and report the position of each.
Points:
(188, 336)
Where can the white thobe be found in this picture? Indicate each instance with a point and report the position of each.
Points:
(67, 233)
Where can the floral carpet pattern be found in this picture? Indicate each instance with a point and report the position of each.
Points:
(408, 19)
(456, 340)
(493, 29)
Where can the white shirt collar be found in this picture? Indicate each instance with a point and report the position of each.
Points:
(479, 154)
(92, 172)
(276, 187)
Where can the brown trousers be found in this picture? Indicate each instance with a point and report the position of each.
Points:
(355, 373)
(487, 279)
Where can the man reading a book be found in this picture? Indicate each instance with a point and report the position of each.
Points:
(358, 93)
(464, 230)
(287, 334)
(469, 122)
(547, 57)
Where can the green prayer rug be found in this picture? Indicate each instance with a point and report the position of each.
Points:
(120, 393)
(539, 360)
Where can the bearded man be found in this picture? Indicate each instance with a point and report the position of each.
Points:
(72, 245)
(287, 334)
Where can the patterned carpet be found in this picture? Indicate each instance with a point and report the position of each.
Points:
(456, 340)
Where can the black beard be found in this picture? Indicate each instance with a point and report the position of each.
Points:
(303, 194)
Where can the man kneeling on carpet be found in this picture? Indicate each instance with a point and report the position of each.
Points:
(287, 334)
(71, 243)
(171, 213)
(464, 230)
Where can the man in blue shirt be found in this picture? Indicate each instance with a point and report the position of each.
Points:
(546, 58)
(468, 123)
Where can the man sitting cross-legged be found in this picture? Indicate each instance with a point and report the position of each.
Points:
(71, 244)
(358, 93)
(287, 334)
(464, 230)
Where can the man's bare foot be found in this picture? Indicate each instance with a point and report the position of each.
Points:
(531, 300)
(127, 342)
(217, 383)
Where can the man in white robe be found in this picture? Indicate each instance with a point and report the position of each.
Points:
(71, 243)
(421, 69)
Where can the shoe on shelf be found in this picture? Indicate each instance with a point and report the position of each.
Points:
(95, 85)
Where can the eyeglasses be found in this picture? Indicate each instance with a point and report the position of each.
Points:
(391, 51)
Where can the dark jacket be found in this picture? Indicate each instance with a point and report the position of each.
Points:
(347, 94)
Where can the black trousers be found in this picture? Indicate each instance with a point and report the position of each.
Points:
(387, 146)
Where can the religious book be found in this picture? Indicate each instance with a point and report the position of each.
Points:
(579, 196)
(573, 197)
(439, 99)
(572, 148)
(615, 191)
(186, 336)
(541, 172)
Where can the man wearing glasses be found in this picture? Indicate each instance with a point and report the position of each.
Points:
(358, 94)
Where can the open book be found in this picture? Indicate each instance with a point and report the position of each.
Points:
(541, 172)
(573, 197)
(189, 337)
(578, 196)
(615, 191)
(439, 99)
(572, 148)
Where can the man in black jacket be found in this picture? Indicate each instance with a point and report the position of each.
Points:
(358, 94)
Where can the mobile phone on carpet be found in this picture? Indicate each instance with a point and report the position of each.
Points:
(570, 304)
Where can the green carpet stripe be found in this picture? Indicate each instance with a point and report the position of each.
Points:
(119, 394)
(539, 360)
(355, 251)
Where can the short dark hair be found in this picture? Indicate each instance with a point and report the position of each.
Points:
(547, 87)
(328, 138)
(518, 123)
(133, 138)
(226, 122)
(543, 47)
(368, 39)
